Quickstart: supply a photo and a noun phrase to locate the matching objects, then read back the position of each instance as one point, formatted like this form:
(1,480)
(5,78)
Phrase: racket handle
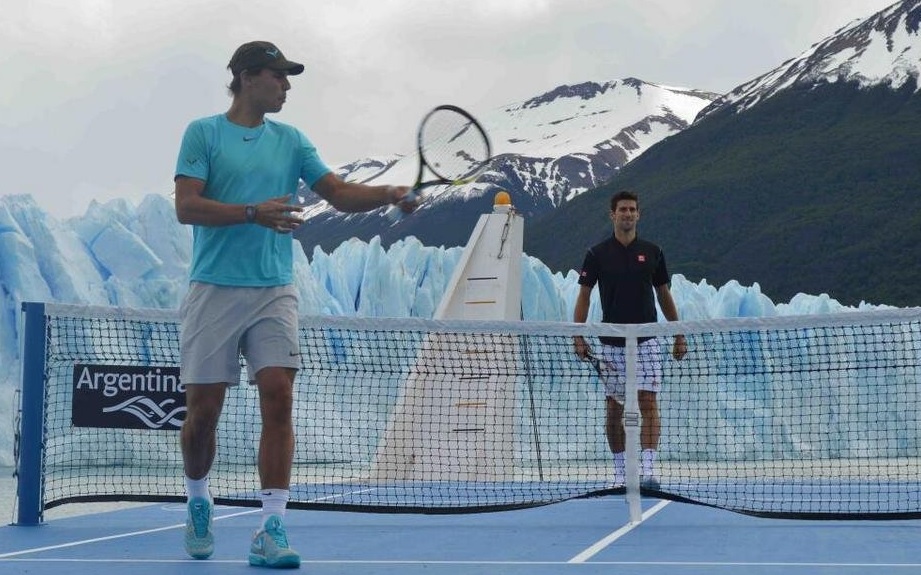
(395,214)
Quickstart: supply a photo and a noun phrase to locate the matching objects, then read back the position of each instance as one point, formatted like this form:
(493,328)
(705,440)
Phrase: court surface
(583,536)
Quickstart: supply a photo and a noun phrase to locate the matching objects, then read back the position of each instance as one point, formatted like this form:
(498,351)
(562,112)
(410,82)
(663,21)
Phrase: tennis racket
(453,146)
(603,369)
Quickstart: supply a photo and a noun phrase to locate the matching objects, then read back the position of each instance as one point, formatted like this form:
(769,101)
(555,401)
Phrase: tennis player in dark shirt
(631,275)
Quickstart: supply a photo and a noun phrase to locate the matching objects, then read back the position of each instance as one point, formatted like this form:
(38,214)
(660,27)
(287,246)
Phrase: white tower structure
(455,419)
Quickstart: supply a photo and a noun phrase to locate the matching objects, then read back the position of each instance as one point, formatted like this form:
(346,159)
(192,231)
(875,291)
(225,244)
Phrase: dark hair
(237,83)
(623,195)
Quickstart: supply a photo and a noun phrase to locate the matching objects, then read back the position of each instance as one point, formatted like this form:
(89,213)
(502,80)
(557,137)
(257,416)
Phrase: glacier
(118,254)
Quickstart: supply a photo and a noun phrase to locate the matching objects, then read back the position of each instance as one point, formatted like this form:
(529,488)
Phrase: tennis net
(805,416)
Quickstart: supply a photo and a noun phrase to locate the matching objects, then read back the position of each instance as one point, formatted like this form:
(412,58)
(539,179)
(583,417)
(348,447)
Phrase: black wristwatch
(249,212)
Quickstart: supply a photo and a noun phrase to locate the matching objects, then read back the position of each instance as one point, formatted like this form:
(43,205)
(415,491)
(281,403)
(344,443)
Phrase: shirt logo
(249,138)
(641,258)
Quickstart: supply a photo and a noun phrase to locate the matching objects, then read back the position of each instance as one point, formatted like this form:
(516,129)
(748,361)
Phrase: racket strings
(452,145)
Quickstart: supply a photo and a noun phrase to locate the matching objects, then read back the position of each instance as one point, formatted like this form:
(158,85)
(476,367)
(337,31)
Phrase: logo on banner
(128,397)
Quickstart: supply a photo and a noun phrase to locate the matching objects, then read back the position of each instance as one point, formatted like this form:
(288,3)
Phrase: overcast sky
(96,93)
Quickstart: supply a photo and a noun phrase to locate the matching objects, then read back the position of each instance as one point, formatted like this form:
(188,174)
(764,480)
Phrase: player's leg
(198,436)
(614,389)
(649,435)
(273,354)
(198,439)
(649,377)
(617,441)
(276,445)
(209,357)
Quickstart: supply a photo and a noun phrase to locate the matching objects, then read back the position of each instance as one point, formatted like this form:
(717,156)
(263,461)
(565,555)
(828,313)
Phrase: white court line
(612,537)
(144,532)
(112,537)
(711,564)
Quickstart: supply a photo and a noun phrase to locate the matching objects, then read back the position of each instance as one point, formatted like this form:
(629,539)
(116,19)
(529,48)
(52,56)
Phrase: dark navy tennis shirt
(626,278)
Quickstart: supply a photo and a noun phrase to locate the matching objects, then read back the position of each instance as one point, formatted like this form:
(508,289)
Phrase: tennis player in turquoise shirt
(254,164)
(236,177)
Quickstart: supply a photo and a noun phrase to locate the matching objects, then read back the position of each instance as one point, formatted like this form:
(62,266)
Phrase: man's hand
(404,198)
(581,347)
(680,347)
(278,214)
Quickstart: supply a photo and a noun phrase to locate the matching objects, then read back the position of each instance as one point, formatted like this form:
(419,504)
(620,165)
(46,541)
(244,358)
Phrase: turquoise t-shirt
(241,165)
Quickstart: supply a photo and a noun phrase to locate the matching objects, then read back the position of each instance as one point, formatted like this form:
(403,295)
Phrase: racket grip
(395,214)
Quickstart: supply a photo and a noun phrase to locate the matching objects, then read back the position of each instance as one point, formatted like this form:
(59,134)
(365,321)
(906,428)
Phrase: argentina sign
(127,397)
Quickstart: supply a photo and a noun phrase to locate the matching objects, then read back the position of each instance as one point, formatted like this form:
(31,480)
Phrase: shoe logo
(293,354)
(258,544)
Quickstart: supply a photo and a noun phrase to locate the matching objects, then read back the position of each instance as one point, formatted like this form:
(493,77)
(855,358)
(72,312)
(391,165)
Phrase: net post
(632,433)
(30,433)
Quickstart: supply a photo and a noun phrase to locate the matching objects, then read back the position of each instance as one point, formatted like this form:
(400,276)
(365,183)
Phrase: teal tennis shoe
(270,547)
(199,540)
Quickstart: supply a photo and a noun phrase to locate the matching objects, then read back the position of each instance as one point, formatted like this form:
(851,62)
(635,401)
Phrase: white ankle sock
(649,462)
(619,464)
(197,488)
(274,502)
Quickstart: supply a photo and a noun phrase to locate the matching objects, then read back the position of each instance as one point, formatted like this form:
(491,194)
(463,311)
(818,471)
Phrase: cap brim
(292,68)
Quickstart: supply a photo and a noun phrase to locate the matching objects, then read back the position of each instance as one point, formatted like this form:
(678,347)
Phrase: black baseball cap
(262,54)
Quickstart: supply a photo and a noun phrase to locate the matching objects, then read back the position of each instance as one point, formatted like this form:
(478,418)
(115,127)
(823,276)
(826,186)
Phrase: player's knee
(201,418)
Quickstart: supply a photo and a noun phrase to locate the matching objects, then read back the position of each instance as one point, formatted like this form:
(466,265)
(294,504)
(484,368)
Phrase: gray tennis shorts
(219,323)
(648,368)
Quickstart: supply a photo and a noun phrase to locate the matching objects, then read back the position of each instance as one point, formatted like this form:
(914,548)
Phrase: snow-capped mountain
(882,49)
(806,177)
(547,150)
(574,138)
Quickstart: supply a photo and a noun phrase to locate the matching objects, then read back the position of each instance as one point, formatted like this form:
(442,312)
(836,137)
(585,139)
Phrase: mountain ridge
(546,150)
(852,54)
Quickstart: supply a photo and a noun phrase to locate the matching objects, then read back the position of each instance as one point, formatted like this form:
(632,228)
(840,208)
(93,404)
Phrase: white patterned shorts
(648,368)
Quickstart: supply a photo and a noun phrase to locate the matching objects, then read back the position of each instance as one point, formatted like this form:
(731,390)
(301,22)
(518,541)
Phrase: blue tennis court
(579,536)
